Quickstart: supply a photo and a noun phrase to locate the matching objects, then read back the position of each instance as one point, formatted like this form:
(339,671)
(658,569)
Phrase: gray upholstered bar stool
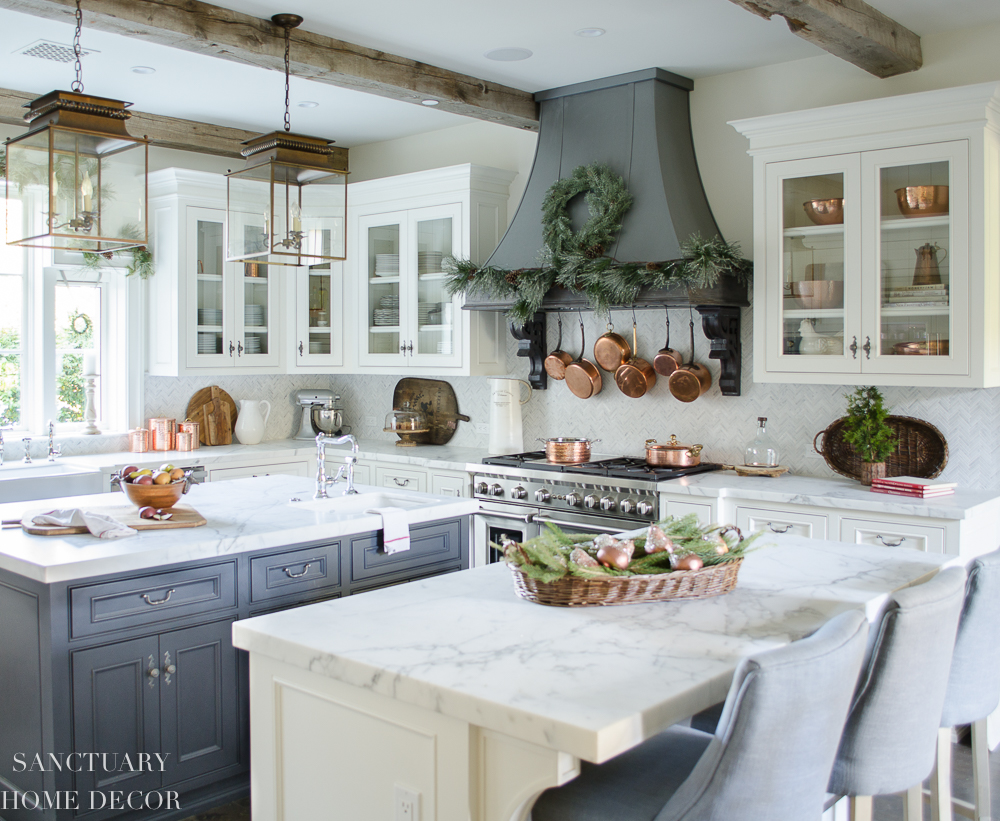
(973,690)
(889,739)
(770,756)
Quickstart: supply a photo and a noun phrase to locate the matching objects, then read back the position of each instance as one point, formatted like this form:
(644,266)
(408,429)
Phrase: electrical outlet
(407,803)
(482,427)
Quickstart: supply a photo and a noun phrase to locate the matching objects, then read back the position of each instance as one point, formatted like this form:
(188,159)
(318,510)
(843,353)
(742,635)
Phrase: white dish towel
(395,528)
(104,527)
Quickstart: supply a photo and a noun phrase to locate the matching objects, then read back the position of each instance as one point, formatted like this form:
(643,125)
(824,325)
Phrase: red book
(914,483)
(916,494)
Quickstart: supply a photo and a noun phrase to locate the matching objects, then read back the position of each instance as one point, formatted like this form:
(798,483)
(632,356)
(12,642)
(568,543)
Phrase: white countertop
(243,515)
(591,681)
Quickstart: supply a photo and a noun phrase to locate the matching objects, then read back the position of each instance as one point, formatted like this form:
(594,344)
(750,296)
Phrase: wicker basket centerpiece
(676,559)
(921,449)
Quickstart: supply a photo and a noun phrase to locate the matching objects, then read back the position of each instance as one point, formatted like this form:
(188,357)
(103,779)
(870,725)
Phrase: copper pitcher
(927,271)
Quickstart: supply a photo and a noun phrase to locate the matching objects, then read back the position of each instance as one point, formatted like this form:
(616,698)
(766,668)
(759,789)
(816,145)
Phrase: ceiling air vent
(57,52)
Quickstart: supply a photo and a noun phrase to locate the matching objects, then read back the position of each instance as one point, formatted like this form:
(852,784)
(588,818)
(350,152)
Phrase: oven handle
(528,519)
(580,525)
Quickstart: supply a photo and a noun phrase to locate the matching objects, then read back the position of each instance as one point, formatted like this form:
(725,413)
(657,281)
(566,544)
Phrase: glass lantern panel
(435,308)
(210,302)
(383,289)
(914,238)
(812,304)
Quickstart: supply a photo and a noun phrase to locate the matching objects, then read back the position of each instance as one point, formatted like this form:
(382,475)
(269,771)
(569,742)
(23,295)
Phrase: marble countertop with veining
(242,514)
(591,681)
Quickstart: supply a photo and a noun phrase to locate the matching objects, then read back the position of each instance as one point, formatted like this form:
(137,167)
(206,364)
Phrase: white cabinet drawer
(446,484)
(681,509)
(893,534)
(280,468)
(401,478)
(363,474)
(811,525)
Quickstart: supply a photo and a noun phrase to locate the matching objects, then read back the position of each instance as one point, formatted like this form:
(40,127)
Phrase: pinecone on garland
(512,277)
(594,252)
(653,266)
(108,255)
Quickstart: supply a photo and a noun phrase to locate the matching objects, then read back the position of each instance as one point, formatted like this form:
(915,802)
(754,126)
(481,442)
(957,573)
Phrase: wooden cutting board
(437,400)
(215,412)
(184,516)
(756,470)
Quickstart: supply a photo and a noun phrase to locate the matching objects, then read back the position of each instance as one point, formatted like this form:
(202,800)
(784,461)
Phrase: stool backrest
(889,740)
(974,685)
(774,745)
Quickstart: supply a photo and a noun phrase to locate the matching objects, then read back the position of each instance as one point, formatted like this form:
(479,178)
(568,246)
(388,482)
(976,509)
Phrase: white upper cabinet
(876,247)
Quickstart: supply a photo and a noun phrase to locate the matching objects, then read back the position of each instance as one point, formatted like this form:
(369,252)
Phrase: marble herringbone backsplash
(969,419)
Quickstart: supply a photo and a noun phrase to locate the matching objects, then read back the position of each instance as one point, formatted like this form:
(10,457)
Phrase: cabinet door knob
(292,575)
(854,347)
(153,672)
(155,602)
(867,347)
(300,348)
(239,349)
(170,669)
(231,348)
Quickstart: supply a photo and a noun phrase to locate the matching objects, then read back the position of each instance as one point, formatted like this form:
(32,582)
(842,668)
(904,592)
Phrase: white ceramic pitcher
(249,423)
(506,434)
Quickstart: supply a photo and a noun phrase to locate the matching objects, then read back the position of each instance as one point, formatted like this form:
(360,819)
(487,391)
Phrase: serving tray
(183,517)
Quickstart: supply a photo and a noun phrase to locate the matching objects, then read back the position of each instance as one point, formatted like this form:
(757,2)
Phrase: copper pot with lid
(567,450)
(672,454)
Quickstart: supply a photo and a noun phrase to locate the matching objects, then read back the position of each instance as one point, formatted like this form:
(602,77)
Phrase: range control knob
(518,493)
(482,487)
(573,500)
(607,503)
(591,501)
(542,495)
(496,490)
(644,508)
(627,505)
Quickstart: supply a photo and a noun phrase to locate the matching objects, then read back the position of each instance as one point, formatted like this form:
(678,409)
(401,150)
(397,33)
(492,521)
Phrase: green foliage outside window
(10,378)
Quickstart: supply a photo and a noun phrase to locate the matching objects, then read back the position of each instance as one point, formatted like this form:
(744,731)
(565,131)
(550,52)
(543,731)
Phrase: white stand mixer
(312,400)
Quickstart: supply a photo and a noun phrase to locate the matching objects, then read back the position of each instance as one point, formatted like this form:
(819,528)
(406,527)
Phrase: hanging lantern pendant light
(79,176)
(288,205)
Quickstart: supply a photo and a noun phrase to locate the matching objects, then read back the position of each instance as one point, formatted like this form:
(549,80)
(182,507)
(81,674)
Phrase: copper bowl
(567,450)
(937,347)
(922,200)
(821,293)
(158,496)
(825,212)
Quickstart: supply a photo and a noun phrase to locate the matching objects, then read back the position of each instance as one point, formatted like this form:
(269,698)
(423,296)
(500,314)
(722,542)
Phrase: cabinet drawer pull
(882,539)
(775,529)
(164,600)
(292,575)
(399,483)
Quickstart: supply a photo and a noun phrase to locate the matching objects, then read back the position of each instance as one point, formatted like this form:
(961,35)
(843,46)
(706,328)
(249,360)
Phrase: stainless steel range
(521,493)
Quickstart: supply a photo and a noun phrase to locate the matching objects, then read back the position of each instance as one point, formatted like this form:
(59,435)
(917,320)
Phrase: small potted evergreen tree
(866,430)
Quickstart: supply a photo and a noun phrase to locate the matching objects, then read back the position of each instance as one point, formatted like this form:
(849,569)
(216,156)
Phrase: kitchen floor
(886,809)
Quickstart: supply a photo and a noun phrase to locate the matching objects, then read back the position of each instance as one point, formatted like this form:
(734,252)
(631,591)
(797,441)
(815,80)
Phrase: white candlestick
(87,189)
(89,411)
(296,216)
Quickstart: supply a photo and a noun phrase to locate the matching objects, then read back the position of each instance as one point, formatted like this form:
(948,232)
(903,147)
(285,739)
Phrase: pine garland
(579,261)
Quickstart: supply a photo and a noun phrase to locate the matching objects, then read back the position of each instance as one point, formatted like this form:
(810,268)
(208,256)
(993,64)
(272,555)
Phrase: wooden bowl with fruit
(158,489)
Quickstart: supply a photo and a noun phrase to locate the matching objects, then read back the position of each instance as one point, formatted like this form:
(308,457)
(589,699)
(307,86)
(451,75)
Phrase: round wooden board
(756,470)
(202,403)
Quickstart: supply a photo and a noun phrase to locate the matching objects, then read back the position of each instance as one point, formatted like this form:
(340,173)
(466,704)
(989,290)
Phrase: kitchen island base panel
(361,746)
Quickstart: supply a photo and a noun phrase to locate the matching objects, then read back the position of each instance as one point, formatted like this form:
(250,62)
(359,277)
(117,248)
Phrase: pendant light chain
(77,84)
(288,118)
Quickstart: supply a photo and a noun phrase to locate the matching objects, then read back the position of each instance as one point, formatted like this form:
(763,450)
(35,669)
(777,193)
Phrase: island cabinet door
(199,701)
(116,711)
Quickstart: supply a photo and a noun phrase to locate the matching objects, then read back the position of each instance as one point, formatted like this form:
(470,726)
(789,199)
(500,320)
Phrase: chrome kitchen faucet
(322,482)
(54,450)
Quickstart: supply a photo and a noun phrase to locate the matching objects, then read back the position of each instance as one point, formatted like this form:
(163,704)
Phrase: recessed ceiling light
(308,104)
(589,32)
(508,55)
(429,102)
(143,70)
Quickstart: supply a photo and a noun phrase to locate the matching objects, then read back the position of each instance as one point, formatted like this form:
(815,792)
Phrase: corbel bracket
(721,325)
(531,344)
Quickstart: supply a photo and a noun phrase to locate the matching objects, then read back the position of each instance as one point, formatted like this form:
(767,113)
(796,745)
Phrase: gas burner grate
(636,468)
(515,460)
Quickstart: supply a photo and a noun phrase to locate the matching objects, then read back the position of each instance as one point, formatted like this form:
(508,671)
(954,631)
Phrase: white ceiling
(695,38)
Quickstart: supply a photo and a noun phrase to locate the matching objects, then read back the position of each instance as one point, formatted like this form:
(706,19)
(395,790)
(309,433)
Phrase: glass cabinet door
(921,272)
(381,238)
(437,317)
(254,344)
(813,265)
(211,303)
(319,330)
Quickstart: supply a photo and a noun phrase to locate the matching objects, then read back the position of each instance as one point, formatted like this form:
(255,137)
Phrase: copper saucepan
(635,377)
(667,360)
(672,454)
(690,381)
(555,363)
(582,376)
(567,450)
(611,349)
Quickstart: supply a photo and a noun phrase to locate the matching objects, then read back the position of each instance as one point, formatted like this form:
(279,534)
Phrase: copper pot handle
(694,450)
(650,442)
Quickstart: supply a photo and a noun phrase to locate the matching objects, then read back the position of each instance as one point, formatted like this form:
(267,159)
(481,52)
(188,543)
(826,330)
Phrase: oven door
(498,524)
(569,522)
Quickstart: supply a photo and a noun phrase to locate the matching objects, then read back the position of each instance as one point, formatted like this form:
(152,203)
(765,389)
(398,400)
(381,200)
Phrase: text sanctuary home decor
(579,261)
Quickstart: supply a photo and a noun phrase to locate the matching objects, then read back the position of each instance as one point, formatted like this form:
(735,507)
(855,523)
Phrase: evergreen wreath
(579,260)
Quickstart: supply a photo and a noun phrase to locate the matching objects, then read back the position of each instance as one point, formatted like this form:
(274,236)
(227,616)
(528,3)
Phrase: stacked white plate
(424,309)
(444,346)
(318,346)
(253,315)
(389,301)
(210,316)
(208,343)
(429,262)
(253,344)
(386,316)
(387,265)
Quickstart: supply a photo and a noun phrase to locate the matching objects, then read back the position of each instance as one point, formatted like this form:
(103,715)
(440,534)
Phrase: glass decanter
(761,452)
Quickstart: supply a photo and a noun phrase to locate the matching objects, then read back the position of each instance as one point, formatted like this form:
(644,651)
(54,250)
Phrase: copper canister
(194,428)
(184,440)
(163,433)
(138,440)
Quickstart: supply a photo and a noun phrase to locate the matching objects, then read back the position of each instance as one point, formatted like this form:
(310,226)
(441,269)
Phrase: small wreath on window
(80,324)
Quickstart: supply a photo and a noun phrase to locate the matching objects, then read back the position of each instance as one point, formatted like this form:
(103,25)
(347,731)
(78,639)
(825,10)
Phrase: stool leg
(981,770)
(941,778)
(913,803)
(861,808)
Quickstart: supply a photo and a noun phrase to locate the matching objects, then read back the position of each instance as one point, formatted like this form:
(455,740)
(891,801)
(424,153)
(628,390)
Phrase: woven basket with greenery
(921,449)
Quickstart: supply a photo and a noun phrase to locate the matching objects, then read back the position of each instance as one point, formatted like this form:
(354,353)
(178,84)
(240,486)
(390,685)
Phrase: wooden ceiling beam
(849,29)
(165,132)
(191,25)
